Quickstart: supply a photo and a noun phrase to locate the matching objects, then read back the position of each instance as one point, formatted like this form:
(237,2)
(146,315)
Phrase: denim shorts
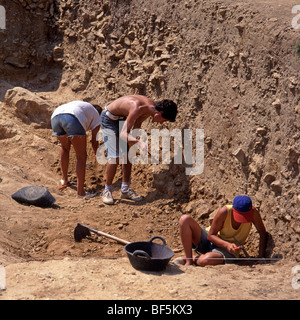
(205,246)
(67,124)
(111,135)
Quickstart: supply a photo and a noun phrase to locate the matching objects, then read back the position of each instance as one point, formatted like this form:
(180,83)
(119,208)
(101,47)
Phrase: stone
(58,53)
(293,156)
(138,83)
(29,107)
(240,155)
(16,62)
(148,67)
(261,131)
(277,103)
(298,200)
(276,186)
(269,178)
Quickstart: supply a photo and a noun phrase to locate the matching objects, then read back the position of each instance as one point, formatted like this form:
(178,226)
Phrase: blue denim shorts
(67,124)
(205,246)
(111,135)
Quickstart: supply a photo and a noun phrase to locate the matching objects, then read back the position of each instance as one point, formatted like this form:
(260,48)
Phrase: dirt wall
(233,70)
(230,66)
(27,56)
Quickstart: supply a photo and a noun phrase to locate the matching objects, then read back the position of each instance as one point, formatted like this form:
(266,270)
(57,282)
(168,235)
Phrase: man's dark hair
(98,108)
(168,108)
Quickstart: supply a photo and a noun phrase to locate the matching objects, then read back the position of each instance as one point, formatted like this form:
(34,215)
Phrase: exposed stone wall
(26,45)
(231,68)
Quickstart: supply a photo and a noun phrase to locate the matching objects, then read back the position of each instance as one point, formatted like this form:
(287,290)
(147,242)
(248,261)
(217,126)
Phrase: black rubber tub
(34,195)
(148,255)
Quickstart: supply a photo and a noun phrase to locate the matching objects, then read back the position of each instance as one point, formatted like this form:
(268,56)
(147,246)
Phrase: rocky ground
(233,69)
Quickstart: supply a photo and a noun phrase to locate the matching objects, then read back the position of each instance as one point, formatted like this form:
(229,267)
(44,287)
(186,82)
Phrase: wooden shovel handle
(101,233)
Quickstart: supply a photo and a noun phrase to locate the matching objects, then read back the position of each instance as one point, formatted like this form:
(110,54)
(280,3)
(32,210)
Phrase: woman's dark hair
(168,108)
(98,108)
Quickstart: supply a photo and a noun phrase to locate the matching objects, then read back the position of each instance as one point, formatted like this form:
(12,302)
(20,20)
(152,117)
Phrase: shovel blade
(80,232)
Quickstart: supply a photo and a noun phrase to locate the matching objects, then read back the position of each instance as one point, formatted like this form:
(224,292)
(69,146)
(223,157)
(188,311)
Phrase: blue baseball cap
(242,209)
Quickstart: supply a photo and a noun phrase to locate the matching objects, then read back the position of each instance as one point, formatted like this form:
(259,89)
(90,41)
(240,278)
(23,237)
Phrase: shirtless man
(117,120)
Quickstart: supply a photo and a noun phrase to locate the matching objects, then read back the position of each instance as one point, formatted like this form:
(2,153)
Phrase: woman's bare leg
(79,144)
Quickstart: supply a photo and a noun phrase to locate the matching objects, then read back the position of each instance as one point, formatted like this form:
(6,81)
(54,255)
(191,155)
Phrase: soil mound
(232,67)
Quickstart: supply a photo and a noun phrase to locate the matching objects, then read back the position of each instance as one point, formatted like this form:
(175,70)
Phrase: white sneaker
(131,194)
(107,197)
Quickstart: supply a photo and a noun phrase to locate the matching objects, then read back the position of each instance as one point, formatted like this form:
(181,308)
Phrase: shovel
(81,231)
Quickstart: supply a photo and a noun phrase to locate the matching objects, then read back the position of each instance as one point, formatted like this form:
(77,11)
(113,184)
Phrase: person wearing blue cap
(229,230)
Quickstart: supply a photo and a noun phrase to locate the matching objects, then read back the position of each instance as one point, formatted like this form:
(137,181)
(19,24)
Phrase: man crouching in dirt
(117,120)
(229,230)
(69,123)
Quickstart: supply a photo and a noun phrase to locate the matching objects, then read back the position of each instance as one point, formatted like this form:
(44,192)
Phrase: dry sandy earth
(115,279)
(97,268)
(42,261)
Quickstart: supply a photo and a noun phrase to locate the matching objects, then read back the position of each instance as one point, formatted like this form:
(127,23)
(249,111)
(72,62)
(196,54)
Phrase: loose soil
(233,71)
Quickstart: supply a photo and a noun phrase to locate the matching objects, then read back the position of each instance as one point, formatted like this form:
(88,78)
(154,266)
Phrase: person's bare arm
(94,142)
(216,226)
(138,122)
(133,121)
(257,221)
